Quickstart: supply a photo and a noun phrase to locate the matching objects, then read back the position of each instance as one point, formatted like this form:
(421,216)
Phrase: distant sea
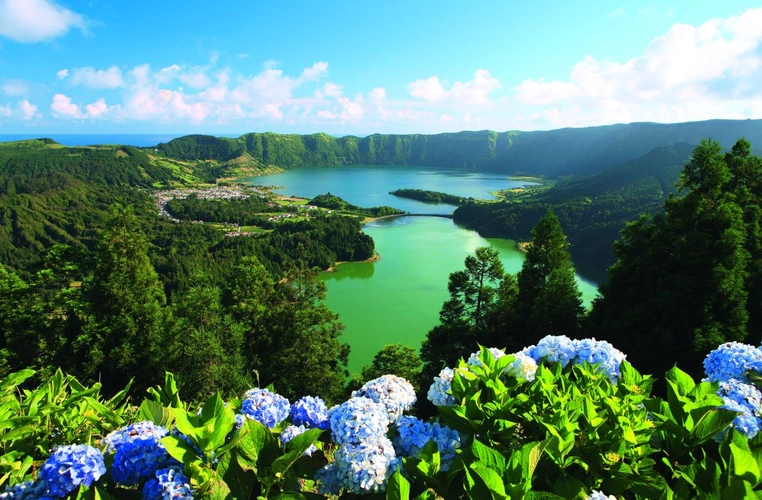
(139,140)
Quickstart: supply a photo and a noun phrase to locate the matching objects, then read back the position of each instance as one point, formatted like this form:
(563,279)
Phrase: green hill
(556,153)
(592,210)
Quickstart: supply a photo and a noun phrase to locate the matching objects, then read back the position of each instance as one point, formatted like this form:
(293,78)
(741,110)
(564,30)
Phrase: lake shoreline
(376,257)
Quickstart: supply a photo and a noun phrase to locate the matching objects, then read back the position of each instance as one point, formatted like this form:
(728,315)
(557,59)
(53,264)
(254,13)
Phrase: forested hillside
(563,152)
(592,210)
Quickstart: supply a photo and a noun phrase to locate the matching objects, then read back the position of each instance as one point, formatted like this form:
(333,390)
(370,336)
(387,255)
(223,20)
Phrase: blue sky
(231,67)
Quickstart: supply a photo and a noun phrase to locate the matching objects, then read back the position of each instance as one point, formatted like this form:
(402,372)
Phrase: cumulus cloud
(16,88)
(62,107)
(27,110)
(474,91)
(110,78)
(30,21)
(62,74)
(689,73)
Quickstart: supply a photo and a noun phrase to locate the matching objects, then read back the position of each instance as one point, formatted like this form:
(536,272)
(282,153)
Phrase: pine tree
(466,317)
(124,338)
(549,302)
(678,288)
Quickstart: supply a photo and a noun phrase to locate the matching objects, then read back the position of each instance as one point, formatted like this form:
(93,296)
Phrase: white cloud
(62,107)
(690,73)
(474,91)
(28,110)
(97,79)
(98,109)
(29,21)
(329,90)
(377,95)
(16,88)
(62,74)
(315,71)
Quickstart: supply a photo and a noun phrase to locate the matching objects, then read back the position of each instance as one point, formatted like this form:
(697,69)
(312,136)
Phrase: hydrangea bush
(560,419)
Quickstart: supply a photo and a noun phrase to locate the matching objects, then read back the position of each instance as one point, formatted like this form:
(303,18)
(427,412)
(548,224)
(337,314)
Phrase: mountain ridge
(554,153)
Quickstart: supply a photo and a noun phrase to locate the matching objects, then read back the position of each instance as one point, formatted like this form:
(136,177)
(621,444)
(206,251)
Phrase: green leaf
(744,463)
(14,379)
(484,483)
(542,495)
(398,488)
(180,450)
(683,382)
(240,482)
(185,423)
(711,423)
(156,413)
(218,490)
(569,487)
(488,457)
(218,422)
(256,436)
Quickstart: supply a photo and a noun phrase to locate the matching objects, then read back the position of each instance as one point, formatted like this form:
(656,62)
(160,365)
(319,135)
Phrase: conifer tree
(549,301)
(291,338)
(679,286)
(123,339)
(466,318)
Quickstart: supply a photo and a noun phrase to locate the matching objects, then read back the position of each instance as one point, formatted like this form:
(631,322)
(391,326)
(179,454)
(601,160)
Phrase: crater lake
(397,298)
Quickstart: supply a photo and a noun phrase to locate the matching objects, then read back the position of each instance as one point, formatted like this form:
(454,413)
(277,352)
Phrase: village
(291,210)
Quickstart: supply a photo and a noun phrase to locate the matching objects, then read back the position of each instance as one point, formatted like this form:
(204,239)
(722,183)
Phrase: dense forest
(430,196)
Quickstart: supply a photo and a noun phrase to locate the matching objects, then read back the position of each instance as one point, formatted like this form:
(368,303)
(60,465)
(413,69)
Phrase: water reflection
(352,271)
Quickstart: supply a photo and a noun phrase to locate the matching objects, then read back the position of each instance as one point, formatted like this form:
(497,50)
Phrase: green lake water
(398,298)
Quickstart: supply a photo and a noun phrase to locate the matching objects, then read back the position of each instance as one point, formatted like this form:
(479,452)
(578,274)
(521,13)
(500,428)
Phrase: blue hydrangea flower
(732,360)
(310,412)
(523,367)
(138,459)
(240,419)
(474,360)
(365,467)
(597,495)
(328,480)
(438,391)
(168,484)
(30,490)
(554,349)
(448,442)
(412,435)
(395,393)
(145,429)
(745,398)
(70,466)
(599,352)
(265,407)
(291,432)
(358,419)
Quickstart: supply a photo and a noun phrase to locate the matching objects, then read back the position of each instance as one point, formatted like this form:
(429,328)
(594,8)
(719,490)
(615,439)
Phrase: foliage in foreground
(560,419)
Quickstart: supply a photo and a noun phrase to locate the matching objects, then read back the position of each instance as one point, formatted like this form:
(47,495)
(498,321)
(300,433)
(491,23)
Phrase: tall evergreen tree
(678,288)
(124,338)
(466,317)
(205,348)
(291,337)
(549,301)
